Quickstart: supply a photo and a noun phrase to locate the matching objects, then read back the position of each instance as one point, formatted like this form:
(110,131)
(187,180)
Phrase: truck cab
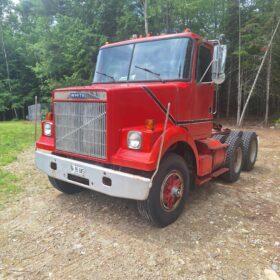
(143,130)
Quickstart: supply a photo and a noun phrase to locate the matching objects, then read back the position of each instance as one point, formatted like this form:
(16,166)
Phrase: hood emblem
(77,95)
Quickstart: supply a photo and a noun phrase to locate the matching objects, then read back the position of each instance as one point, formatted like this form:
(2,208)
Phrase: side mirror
(219,63)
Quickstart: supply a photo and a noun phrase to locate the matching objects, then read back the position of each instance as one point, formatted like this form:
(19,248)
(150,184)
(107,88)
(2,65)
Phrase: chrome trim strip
(81,95)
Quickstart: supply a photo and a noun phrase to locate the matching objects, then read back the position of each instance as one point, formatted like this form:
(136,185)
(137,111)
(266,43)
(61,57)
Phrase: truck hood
(129,105)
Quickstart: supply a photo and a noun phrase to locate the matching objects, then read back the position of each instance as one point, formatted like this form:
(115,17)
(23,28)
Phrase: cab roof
(153,38)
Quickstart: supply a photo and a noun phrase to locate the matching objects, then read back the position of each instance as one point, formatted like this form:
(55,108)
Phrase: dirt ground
(226,231)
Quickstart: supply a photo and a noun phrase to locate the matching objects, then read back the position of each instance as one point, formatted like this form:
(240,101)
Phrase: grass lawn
(15,136)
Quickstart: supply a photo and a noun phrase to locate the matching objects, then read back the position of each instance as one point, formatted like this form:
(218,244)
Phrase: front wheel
(169,191)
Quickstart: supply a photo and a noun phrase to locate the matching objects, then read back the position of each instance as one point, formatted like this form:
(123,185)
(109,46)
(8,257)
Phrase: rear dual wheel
(234,159)
(221,137)
(250,143)
(169,191)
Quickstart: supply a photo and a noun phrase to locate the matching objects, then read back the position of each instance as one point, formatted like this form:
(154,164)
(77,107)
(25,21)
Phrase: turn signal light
(150,124)
(49,116)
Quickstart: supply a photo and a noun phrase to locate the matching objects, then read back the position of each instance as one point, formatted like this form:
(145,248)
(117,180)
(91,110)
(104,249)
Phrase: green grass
(8,187)
(15,136)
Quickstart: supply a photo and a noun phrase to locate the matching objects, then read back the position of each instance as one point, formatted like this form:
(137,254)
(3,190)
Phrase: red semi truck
(144,130)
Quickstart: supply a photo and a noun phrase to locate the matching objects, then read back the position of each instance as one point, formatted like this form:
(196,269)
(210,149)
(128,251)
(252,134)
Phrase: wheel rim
(172,190)
(253,150)
(237,159)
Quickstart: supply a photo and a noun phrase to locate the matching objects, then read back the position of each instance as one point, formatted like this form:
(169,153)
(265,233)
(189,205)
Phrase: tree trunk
(5,56)
(146,17)
(217,102)
(239,70)
(167,16)
(243,88)
(16,114)
(215,17)
(229,92)
(268,88)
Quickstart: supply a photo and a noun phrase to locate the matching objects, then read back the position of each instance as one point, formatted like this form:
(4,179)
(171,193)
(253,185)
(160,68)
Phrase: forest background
(46,44)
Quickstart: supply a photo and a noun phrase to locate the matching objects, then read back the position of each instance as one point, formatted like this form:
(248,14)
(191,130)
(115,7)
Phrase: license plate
(77,170)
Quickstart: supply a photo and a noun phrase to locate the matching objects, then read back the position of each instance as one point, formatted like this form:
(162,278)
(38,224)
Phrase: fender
(173,135)
(147,161)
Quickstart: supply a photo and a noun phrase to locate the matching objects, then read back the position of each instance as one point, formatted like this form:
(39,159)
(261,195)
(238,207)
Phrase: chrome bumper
(122,184)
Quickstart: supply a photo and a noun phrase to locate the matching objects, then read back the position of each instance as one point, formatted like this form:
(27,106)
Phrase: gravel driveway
(226,231)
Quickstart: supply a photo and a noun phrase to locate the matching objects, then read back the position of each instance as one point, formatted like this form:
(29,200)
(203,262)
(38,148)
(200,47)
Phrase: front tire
(65,187)
(169,191)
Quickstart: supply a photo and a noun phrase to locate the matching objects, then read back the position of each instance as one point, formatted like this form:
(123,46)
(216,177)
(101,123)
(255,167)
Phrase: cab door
(203,90)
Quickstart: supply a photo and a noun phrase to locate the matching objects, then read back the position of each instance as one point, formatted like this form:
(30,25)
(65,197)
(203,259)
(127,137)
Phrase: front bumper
(122,184)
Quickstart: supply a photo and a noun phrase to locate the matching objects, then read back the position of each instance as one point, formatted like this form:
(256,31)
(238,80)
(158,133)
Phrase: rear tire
(250,143)
(168,194)
(234,159)
(221,137)
(65,187)
(236,133)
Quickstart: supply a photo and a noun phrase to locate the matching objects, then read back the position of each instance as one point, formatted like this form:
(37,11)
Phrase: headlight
(48,129)
(134,140)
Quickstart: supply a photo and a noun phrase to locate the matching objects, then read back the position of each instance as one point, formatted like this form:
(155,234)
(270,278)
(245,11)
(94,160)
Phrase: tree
(146,16)
(47,44)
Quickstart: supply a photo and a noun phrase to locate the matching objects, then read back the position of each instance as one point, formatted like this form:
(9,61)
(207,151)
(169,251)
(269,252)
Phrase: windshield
(167,59)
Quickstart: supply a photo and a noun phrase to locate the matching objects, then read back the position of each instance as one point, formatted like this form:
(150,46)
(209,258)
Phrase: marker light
(49,116)
(150,124)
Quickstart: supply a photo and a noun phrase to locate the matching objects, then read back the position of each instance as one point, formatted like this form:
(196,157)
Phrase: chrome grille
(81,128)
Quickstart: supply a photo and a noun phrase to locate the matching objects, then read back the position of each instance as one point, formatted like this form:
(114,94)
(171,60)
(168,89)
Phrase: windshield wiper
(150,71)
(106,75)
